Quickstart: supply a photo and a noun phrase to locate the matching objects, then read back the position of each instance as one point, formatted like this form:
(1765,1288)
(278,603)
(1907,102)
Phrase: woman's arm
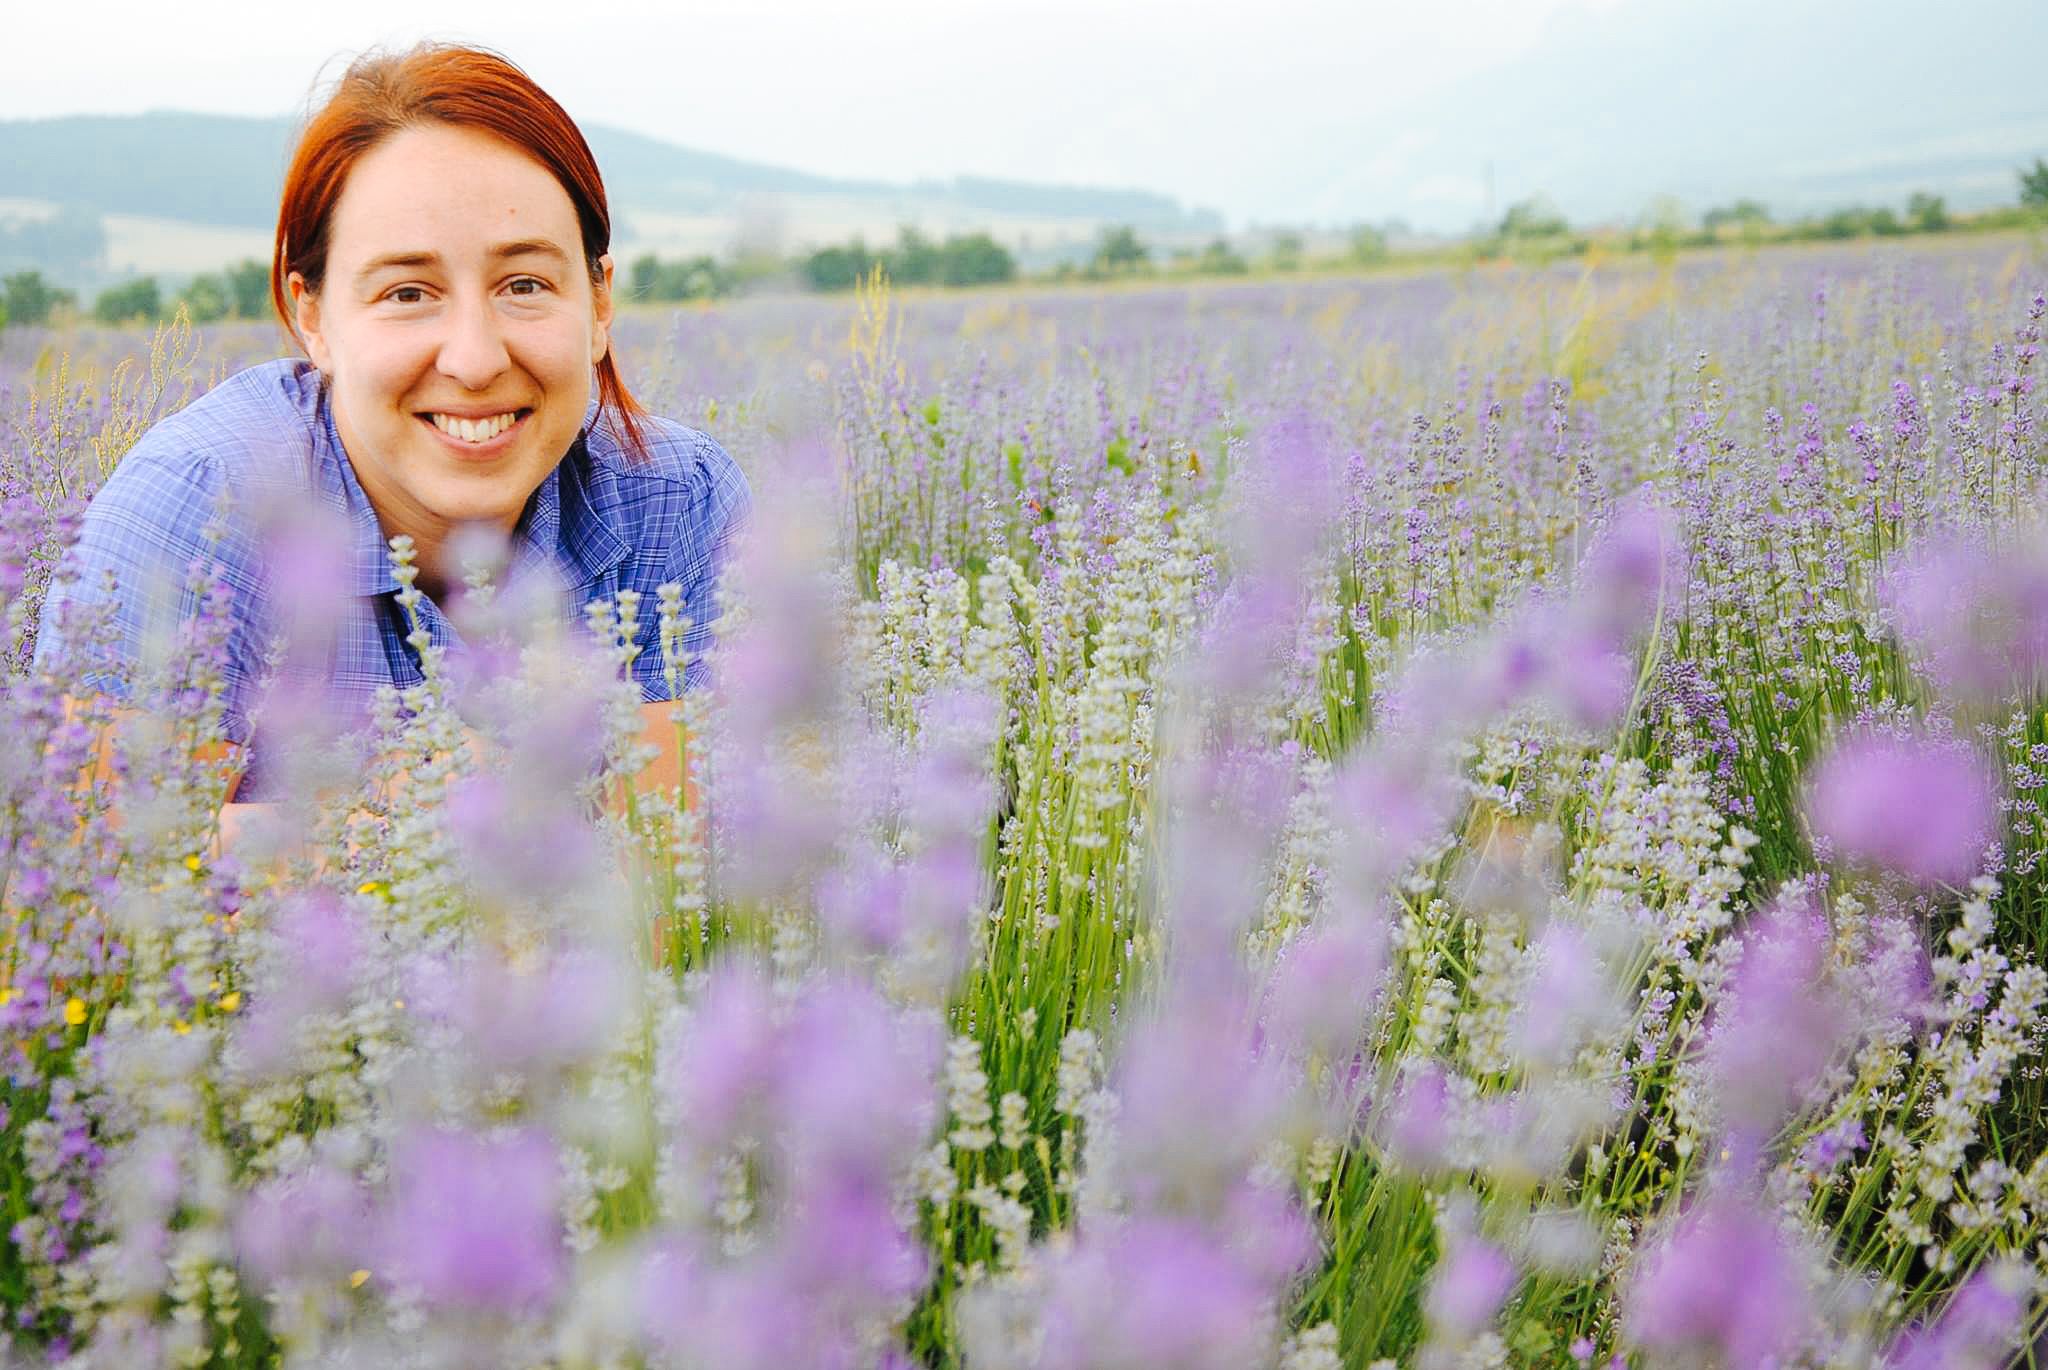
(656,780)
(659,730)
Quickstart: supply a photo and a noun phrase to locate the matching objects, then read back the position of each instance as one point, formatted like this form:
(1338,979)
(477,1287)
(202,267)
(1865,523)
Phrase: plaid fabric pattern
(600,523)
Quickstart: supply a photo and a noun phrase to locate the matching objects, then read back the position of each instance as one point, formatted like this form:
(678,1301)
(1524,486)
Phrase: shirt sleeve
(154,537)
(719,507)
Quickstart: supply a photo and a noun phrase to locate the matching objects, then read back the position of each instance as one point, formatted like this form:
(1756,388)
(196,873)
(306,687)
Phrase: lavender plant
(1439,822)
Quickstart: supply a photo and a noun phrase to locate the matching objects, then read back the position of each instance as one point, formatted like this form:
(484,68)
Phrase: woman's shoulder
(254,427)
(670,451)
(675,463)
(679,501)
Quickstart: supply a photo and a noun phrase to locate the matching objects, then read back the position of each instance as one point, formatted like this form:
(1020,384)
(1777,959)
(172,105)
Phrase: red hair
(383,93)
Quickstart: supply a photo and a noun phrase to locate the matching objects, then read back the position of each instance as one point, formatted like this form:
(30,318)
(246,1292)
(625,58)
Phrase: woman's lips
(478,451)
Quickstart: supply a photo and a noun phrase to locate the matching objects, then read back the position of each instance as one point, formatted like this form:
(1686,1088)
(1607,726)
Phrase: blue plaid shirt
(601,521)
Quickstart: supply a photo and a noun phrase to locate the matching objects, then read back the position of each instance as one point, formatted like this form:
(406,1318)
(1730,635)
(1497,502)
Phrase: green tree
(836,268)
(30,300)
(2034,185)
(1287,250)
(1120,250)
(248,283)
(206,299)
(1218,259)
(694,278)
(1853,222)
(1927,213)
(1534,217)
(642,276)
(138,299)
(915,260)
(1367,246)
(1741,214)
(975,259)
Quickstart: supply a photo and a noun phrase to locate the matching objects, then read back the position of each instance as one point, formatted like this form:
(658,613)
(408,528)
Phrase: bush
(692,278)
(248,288)
(30,301)
(138,299)
(206,299)
(1218,259)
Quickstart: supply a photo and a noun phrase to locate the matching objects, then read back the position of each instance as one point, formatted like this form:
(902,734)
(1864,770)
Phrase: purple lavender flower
(1326,988)
(732,1052)
(519,842)
(314,1226)
(315,954)
(1637,565)
(856,1089)
(1976,613)
(1778,1023)
(1416,1128)
(1830,1147)
(472,1222)
(1160,1291)
(1921,807)
(1567,998)
(1723,1282)
(1978,1330)
(845,1243)
(1467,1289)
(1197,1102)
(562,1011)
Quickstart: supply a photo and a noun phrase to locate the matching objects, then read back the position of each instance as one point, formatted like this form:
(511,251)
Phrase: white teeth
(474,430)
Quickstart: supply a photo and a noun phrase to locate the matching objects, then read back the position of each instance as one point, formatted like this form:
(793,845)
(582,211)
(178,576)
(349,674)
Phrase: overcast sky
(1307,111)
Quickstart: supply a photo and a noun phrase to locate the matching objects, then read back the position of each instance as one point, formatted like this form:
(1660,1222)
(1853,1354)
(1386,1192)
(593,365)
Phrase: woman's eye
(527,285)
(407,294)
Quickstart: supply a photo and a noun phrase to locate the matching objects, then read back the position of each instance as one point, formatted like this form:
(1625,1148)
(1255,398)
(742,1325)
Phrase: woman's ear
(601,311)
(306,320)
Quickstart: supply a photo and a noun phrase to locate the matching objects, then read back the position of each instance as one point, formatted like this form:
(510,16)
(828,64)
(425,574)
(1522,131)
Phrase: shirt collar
(564,528)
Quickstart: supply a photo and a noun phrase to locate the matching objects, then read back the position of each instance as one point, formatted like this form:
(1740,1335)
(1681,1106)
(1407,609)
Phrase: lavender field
(1440,821)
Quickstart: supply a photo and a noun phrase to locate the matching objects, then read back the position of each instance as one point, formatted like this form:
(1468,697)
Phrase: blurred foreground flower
(1976,612)
(472,1221)
(1725,1287)
(1920,807)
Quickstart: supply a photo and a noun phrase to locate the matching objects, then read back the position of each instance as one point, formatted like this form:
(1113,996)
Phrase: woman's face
(458,327)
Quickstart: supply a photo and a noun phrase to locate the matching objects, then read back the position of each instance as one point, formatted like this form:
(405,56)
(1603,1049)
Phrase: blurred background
(791,146)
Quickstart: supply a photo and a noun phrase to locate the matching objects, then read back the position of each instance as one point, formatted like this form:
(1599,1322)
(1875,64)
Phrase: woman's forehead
(445,191)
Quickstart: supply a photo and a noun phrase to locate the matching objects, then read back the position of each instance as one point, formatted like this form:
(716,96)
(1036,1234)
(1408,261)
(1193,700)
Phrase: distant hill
(222,172)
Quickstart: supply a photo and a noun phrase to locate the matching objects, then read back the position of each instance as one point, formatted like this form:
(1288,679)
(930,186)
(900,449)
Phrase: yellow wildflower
(357,1277)
(231,1001)
(74,1010)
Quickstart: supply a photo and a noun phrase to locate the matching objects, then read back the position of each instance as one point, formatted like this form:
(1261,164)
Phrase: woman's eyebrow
(531,247)
(523,247)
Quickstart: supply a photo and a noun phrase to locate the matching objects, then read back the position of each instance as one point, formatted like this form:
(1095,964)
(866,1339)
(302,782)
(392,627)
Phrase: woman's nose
(473,350)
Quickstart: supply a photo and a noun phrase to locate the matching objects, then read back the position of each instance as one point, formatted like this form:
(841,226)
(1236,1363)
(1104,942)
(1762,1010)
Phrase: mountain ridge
(225,171)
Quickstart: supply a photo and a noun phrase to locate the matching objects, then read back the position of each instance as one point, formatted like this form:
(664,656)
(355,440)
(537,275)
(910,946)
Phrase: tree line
(240,292)
(1529,227)
(962,259)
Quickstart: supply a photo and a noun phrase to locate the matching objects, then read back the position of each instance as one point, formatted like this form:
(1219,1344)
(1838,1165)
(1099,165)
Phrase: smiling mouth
(474,432)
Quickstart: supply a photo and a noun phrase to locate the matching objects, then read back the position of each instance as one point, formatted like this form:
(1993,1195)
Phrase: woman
(442,259)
